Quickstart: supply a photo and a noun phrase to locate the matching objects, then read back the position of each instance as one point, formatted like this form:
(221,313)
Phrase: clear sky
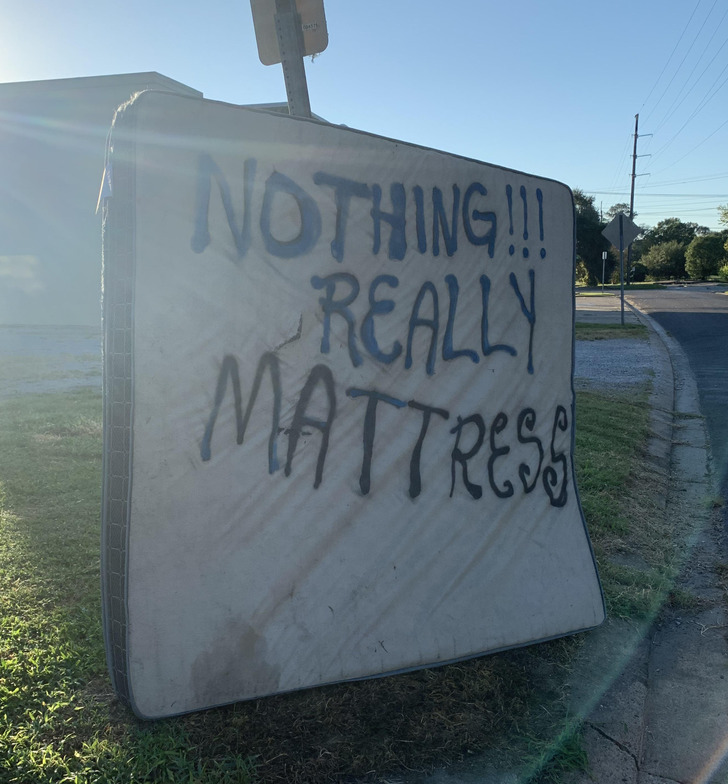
(547,87)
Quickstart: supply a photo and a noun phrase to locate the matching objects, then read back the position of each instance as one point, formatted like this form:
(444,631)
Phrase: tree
(669,230)
(666,260)
(723,214)
(705,255)
(615,209)
(723,218)
(589,240)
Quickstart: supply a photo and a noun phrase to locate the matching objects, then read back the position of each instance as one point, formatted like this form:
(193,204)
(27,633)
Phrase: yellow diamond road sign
(313,25)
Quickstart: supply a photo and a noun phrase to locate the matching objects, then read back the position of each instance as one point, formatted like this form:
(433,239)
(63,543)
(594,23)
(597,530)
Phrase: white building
(52,143)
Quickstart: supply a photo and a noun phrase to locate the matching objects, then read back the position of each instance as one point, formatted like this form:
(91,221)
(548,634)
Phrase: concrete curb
(663,719)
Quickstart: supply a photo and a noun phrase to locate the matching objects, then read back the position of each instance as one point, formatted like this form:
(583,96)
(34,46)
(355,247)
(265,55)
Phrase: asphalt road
(697,317)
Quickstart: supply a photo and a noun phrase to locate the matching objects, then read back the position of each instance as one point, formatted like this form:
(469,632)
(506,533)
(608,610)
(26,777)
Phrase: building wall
(52,144)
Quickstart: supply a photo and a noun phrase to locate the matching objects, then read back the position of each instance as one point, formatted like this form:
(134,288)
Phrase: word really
(338,304)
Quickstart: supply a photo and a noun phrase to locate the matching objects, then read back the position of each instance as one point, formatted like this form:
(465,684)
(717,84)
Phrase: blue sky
(550,88)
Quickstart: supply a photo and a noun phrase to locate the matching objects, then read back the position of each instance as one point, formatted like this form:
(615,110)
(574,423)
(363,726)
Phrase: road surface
(697,317)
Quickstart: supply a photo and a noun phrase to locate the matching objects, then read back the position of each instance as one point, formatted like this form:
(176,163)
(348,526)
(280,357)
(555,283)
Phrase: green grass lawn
(591,331)
(60,722)
(614,288)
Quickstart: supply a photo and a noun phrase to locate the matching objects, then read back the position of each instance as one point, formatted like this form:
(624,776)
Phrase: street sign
(313,26)
(630,230)
(621,231)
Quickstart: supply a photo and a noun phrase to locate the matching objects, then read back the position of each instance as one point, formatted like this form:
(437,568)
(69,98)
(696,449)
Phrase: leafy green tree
(589,240)
(638,274)
(669,230)
(666,260)
(674,229)
(723,218)
(615,209)
(705,255)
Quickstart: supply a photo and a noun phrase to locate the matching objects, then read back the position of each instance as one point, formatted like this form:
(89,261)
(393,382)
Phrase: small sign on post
(621,231)
(286,31)
(313,28)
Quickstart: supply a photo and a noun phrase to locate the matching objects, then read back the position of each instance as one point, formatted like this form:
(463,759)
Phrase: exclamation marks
(509,196)
(524,199)
(539,198)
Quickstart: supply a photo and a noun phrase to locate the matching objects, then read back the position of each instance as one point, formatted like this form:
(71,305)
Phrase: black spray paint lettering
(229,370)
(341,289)
(320,374)
(458,457)
(499,449)
(445,213)
(415,486)
(471,430)
(551,479)
(499,425)
(527,421)
(370,420)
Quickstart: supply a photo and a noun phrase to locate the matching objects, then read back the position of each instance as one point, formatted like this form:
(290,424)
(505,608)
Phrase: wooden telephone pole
(634,166)
(631,191)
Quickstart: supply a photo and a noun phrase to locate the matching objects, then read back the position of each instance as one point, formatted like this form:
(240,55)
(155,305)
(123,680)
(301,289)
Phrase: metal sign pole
(618,231)
(290,44)
(621,263)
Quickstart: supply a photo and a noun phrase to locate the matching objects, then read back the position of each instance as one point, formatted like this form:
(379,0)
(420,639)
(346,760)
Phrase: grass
(60,722)
(607,428)
(587,331)
(614,288)
(634,545)
(566,755)
(584,292)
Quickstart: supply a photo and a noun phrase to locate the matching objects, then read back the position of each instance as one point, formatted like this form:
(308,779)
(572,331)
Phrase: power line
(670,113)
(623,156)
(685,56)
(664,68)
(700,144)
(689,86)
(665,195)
(685,180)
(703,103)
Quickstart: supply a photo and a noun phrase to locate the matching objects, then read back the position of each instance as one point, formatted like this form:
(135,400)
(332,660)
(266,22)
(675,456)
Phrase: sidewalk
(665,719)
(594,307)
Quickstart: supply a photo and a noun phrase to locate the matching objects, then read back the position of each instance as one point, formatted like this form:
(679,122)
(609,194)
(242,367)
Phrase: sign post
(287,31)
(621,232)
(290,46)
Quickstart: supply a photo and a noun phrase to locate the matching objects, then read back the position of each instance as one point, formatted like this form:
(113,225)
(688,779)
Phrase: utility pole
(631,193)
(634,167)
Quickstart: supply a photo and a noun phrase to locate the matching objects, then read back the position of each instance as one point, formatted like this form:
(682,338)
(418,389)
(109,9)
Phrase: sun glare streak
(59,133)
(711,766)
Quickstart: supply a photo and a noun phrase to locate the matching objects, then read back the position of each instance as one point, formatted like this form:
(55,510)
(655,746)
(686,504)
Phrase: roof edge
(137,80)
